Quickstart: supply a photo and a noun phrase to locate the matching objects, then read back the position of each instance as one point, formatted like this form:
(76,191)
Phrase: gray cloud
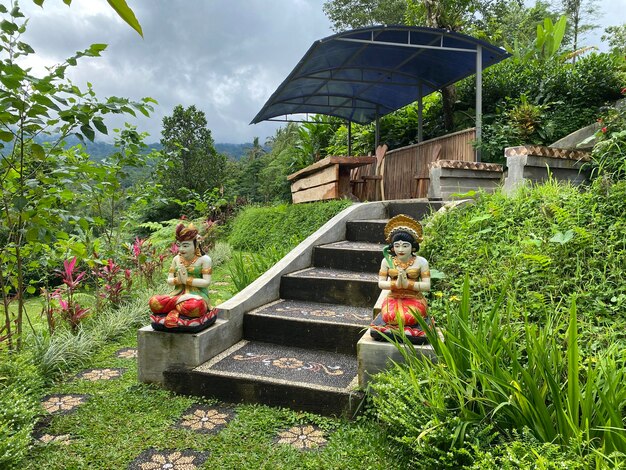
(226,57)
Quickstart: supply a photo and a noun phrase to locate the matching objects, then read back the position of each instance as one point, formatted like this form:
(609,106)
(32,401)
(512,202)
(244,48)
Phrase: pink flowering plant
(114,282)
(145,259)
(60,302)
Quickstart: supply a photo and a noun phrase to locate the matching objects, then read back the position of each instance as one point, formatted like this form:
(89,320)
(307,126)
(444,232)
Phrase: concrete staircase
(299,351)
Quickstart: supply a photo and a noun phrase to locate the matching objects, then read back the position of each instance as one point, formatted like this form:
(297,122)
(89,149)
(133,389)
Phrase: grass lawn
(119,420)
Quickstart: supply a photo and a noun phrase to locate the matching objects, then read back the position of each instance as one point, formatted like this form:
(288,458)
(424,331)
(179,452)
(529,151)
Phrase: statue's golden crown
(403,223)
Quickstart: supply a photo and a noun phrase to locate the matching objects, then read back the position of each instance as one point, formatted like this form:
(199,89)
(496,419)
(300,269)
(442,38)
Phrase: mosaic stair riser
(253,390)
(364,260)
(339,287)
(331,337)
(314,325)
(371,231)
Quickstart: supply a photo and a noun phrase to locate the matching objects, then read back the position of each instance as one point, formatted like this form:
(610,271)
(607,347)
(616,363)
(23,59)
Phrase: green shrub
(220,253)
(20,385)
(608,158)
(283,226)
(572,94)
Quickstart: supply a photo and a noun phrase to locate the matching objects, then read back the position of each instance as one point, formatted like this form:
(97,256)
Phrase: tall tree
(580,16)
(616,37)
(191,162)
(350,14)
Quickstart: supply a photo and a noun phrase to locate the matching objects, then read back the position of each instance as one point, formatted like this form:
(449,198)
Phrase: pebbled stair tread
(356,246)
(339,274)
(315,312)
(289,365)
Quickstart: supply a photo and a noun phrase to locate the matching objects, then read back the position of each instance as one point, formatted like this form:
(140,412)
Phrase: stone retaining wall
(536,164)
(451,177)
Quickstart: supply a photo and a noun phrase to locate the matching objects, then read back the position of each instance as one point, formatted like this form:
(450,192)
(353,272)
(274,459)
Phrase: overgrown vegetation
(284,225)
(531,373)
(532,359)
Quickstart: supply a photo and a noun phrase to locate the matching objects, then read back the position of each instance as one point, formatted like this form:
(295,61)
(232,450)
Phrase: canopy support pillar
(479,98)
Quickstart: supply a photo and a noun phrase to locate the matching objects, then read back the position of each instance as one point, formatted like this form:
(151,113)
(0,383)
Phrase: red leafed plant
(61,303)
(114,288)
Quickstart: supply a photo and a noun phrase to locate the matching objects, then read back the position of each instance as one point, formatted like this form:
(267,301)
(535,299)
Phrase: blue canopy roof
(362,74)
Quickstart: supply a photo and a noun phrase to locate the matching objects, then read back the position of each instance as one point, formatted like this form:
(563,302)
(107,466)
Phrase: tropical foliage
(531,307)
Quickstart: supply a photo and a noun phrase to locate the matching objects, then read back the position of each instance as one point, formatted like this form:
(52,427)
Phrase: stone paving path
(200,418)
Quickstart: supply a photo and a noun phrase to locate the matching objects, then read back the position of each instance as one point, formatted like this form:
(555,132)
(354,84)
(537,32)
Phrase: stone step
(371,231)
(349,255)
(313,325)
(331,286)
(416,209)
(254,372)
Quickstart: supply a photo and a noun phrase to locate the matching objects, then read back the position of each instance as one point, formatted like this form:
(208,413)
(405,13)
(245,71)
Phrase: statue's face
(186,249)
(402,249)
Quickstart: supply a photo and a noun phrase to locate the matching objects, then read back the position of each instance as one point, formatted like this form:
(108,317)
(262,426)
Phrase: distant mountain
(233,151)
(98,150)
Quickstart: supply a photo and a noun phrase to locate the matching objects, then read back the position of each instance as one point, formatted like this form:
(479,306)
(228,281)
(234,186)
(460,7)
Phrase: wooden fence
(404,171)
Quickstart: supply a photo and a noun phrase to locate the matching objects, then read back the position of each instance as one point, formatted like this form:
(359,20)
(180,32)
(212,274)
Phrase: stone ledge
(460,165)
(548,152)
(377,356)
(525,168)
(449,179)
(158,351)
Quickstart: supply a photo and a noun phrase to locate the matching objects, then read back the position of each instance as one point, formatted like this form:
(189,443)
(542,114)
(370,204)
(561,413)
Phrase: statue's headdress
(186,234)
(403,223)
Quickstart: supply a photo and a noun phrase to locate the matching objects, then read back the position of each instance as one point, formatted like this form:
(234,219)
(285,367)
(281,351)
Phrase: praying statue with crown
(187,309)
(406,275)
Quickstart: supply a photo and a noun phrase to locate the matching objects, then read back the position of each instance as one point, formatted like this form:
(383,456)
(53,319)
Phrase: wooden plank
(350,162)
(318,193)
(323,176)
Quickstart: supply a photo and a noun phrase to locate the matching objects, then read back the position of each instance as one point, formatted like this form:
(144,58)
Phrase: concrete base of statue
(377,356)
(159,350)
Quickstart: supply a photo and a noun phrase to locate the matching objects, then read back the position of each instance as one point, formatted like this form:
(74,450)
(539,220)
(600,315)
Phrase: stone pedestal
(536,164)
(449,177)
(158,350)
(376,356)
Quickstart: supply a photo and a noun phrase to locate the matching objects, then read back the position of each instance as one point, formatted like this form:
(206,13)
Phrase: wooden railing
(404,171)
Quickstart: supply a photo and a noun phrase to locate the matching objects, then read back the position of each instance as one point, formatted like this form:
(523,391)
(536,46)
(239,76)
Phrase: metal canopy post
(420,112)
(349,138)
(479,98)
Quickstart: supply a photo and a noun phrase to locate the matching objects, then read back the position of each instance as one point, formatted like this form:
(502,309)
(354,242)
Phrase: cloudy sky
(225,56)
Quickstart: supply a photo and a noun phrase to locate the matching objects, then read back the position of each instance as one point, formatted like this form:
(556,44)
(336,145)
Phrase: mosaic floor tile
(306,437)
(61,403)
(93,375)
(205,419)
(63,439)
(126,353)
(168,459)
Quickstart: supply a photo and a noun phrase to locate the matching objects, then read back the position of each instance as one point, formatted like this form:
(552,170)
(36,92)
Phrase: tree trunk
(448,98)
(448,94)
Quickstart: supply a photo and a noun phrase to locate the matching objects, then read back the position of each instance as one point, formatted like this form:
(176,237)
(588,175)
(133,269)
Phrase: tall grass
(496,369)
(244,268)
